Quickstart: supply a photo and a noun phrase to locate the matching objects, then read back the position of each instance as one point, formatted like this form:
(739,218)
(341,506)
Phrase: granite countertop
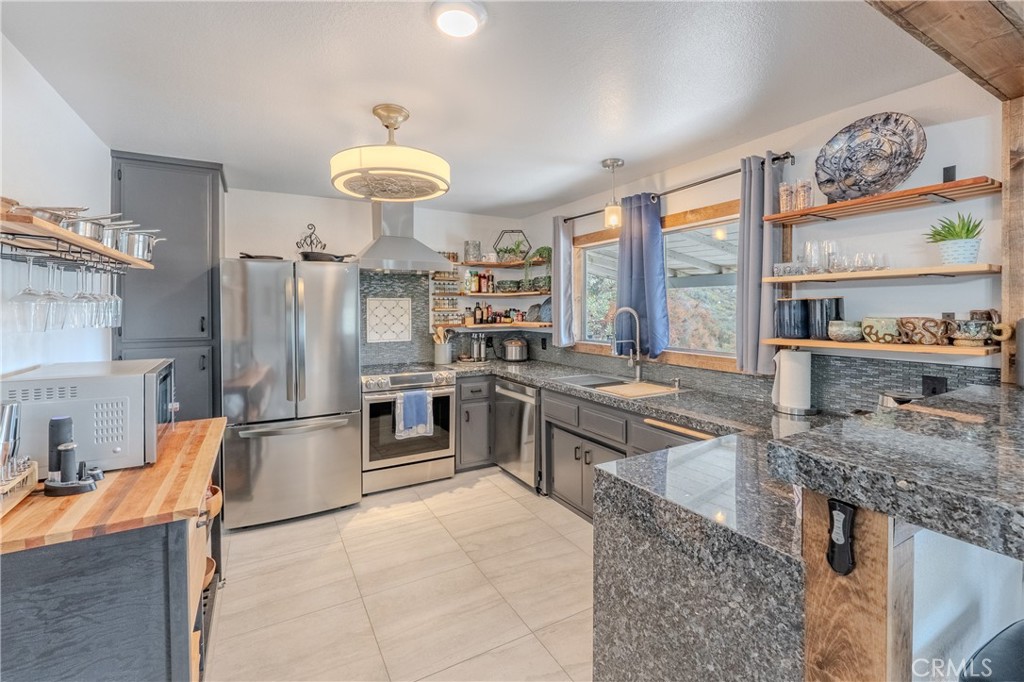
(953,464)
(724,480)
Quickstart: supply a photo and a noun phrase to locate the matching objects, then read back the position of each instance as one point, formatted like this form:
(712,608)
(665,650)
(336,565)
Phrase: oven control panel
(393,382)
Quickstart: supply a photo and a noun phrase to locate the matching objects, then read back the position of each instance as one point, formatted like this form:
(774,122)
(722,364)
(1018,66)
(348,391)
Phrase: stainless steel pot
(515,350)
(112,233)
(138,244)
(90,227)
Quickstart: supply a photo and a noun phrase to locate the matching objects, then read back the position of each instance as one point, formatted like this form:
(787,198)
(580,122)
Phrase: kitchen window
(701,251)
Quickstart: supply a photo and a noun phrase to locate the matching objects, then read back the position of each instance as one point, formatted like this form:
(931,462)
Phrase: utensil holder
(442,353)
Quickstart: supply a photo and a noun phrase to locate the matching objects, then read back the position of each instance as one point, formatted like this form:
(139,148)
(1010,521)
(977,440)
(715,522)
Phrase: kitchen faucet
(634,353)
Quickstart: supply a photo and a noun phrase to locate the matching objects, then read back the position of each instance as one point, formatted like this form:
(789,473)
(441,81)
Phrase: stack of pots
(806,318)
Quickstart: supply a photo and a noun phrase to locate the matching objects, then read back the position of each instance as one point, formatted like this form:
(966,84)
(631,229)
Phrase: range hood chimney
(393,246)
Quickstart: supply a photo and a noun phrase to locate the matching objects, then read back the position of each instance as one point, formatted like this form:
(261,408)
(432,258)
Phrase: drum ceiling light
(458,19)
(390,172)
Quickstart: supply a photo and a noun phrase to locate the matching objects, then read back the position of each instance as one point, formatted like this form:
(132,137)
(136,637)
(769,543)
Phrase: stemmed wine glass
(30,306)
(57,302)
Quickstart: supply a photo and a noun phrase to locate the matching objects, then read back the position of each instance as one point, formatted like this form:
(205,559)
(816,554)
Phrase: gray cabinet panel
(594,454)
(173,301)
(645,438)
(193,376)
(563,410)
(475,390)
(566,466)
(474,433)
(603,423)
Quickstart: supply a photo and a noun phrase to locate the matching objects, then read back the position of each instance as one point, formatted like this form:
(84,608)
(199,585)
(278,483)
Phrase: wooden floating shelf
(507,265)
(445,310)
(892,273)
(514,294)
(534,326)
(928,195)
(31,226)
(885,347)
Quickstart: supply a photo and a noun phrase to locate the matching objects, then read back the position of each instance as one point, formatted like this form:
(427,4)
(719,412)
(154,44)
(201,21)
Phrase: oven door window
(383,444)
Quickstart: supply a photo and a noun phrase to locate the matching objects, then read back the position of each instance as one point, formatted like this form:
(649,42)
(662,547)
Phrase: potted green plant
(543,283)
(507,254)
(959,240)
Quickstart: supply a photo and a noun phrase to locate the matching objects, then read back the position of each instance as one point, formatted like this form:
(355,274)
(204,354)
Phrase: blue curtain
(642,276)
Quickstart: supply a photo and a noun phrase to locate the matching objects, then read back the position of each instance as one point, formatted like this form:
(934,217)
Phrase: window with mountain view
(700,270)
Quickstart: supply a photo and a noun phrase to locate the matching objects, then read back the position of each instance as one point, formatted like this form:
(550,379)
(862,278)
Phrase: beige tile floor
(471,578)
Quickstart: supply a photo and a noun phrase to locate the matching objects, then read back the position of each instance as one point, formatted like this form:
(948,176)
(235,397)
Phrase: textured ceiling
(524,111)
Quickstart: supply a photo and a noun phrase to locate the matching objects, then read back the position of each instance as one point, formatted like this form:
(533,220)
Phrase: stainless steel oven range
(389,462)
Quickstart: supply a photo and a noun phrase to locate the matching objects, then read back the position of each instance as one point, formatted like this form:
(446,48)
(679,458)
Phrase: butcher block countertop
(172,489)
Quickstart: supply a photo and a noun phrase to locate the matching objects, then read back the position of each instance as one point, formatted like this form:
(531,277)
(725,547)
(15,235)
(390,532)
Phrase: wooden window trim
(693,217)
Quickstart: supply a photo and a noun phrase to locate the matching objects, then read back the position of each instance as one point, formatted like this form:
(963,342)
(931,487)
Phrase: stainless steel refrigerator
(290,388)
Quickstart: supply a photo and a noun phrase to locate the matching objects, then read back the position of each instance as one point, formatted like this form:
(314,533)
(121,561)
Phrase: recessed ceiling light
(458,19)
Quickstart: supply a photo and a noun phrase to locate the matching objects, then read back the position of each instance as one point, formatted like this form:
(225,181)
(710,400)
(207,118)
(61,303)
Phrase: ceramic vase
(959,251)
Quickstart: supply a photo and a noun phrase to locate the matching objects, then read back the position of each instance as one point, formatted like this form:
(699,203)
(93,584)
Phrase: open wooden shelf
(508,265)
(885,347)
(31,226)
(530,326)
(942,193)
(892,273)
(514,294)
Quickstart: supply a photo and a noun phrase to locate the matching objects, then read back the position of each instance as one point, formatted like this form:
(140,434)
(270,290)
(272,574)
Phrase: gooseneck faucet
(634,352)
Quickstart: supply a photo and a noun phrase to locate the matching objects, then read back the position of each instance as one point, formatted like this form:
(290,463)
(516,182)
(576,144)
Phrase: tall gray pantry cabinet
(171,311)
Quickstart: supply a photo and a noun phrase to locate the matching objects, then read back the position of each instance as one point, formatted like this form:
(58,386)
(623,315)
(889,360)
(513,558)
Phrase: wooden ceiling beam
(983,39)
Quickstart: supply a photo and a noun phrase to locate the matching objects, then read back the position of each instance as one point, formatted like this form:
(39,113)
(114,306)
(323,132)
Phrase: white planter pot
(959,251)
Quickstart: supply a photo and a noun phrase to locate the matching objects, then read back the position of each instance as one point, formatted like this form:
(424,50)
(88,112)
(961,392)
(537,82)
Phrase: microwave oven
(115,408)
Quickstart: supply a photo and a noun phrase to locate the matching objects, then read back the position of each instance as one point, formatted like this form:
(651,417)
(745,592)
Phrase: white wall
(270,223)
(962,124)
(49,157)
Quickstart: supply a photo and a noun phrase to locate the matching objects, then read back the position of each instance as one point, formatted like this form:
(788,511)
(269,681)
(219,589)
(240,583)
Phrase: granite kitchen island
(722,544)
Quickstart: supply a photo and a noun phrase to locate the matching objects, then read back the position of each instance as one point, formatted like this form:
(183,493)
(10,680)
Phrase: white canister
(442,353)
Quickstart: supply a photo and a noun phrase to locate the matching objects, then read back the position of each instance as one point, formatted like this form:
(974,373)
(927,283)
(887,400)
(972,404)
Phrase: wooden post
(859,626)
(1013,224)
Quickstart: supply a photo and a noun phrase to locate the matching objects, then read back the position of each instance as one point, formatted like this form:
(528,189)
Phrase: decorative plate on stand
(870,156)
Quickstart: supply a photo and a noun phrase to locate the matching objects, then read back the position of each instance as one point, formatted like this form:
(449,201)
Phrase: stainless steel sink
(592,380)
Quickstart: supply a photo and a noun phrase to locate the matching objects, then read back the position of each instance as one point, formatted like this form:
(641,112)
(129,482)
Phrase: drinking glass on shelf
(786,202)
(30,306)
(881,261)
(803,196)
(813,259)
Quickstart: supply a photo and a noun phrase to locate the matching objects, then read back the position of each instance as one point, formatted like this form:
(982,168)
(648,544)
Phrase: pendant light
(390,172)
(613,209)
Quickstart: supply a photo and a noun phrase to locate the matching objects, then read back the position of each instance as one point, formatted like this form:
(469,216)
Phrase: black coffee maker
(66,475)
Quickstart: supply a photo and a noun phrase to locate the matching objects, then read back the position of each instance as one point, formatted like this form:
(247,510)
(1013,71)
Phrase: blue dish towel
(413,414)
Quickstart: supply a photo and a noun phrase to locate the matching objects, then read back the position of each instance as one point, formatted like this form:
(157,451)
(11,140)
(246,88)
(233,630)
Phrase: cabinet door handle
(586,457)
(576,453)
(202,323)
(467,415)
(476,390)
(202,362)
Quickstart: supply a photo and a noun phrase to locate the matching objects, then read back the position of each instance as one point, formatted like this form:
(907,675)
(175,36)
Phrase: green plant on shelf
(964,227)
(541,253)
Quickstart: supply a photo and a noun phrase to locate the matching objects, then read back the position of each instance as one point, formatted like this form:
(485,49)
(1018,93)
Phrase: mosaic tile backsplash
(415,289)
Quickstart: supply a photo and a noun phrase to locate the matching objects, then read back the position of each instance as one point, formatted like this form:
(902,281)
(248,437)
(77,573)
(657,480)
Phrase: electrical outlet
(933,385)
(544,344)
(490,342)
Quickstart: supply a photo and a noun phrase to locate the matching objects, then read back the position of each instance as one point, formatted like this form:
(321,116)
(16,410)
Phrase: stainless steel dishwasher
(515,432)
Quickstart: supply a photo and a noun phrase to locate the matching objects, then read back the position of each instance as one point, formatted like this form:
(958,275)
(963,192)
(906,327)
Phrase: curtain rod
(786,156)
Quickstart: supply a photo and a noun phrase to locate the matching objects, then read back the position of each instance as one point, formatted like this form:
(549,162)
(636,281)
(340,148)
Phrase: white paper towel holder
(785,409)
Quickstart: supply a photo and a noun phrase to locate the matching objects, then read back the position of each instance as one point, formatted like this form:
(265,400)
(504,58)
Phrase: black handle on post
(840,536)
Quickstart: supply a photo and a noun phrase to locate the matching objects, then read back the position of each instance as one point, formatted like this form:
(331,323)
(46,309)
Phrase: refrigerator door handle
(293,430)
(289,363)
(301,337)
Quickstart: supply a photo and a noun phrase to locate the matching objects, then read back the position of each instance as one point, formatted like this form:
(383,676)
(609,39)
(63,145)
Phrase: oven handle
(391,395)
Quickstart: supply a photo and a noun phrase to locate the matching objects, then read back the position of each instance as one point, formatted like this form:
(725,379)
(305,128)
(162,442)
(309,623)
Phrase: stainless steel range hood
(393,246)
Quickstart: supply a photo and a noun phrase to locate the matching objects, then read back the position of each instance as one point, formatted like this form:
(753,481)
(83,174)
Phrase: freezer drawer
(282,470)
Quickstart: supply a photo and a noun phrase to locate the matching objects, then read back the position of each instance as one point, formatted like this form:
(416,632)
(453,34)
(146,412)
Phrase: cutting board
(641,390)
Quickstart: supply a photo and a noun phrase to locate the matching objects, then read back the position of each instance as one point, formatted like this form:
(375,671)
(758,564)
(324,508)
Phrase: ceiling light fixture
(613,209)
(390,172)
(458,19)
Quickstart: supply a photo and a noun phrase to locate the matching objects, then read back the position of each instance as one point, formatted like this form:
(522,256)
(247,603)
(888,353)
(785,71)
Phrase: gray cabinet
(572,468)
(474,446)
(193,376)
(170,311)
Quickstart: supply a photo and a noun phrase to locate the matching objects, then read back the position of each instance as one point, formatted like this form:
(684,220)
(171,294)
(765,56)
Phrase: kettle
(515,350)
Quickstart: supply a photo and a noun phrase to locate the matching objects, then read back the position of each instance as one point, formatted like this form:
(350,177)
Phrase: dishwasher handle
(501,390)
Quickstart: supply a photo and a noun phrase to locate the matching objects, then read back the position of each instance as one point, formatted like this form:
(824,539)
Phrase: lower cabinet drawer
(603,424)
(560,410)
(649,439)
